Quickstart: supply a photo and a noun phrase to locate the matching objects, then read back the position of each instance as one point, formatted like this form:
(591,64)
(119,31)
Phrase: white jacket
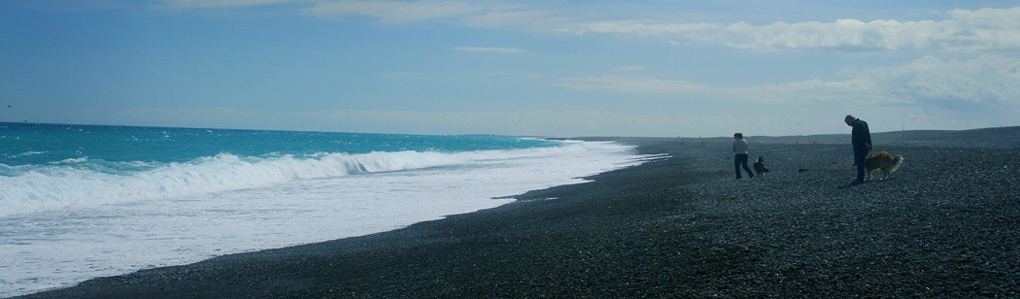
(740,146)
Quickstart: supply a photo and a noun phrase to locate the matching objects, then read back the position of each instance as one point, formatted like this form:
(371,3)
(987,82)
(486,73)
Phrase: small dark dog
(759,167)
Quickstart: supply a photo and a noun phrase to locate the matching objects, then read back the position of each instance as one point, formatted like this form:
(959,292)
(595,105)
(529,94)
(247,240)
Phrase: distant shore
(945,225)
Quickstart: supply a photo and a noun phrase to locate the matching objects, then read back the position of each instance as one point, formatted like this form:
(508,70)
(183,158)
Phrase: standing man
(861,140)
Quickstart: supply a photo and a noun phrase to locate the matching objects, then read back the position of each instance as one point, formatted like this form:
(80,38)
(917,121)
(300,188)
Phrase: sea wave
(29,153)
(89,182)
(71,161)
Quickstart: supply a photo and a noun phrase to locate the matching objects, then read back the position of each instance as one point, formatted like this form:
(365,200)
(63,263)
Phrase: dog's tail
(897,160)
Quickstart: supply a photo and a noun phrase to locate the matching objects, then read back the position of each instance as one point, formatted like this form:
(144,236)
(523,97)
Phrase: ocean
(84,201)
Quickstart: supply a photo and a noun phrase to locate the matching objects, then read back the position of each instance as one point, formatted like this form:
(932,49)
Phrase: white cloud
(986,82)
(489,49)
(467,13)
(964,30)
(395,11)
(497,16)
(988,79)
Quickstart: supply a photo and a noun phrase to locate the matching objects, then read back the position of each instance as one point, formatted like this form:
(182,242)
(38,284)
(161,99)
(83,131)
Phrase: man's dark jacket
(861,134)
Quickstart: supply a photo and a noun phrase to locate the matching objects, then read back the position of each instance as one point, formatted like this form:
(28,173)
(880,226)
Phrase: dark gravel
(945,225)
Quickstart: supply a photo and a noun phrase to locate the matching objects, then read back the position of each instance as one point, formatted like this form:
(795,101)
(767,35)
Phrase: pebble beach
(944,225)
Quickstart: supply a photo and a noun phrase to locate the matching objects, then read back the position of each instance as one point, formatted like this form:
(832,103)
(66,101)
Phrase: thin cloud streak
(489,49)
(633,68)
(188,4)
(633,84)
(395,11)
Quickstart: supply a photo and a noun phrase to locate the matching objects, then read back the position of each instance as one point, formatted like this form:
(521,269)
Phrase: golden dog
(884,161)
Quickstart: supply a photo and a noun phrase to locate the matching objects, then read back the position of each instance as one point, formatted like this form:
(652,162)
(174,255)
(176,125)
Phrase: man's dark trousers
(859,158)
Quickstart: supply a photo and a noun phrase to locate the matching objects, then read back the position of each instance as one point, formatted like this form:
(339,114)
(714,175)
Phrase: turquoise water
(46,166)
(121,146)
(78,202)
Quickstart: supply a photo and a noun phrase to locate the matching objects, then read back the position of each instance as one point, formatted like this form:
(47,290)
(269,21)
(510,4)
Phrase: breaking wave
(88,182)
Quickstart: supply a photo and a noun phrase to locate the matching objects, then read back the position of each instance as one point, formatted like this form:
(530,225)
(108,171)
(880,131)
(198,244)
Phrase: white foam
(252,204)
(70,183)
(29,153)
(72,161)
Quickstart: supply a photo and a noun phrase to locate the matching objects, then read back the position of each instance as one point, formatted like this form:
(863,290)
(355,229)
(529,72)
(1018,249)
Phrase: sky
(554,68)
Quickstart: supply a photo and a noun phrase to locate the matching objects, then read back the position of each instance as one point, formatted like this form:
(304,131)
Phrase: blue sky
(547,68)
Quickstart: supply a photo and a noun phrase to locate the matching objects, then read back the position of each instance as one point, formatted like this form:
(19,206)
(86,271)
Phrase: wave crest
(71,183)
(89,182)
